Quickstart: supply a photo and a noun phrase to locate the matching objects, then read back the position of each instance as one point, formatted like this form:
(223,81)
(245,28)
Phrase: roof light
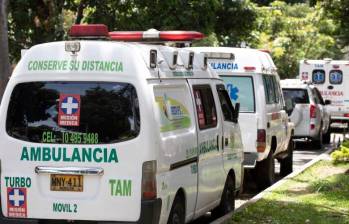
(89,30)
(72,46)
(152,34)
(220,55)
(249,68)
(335,66)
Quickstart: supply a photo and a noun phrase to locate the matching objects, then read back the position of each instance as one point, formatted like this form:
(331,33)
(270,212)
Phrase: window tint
(318,96)
(318,76)
(336,77)
(227,107)
(293,97)
(271,93)
(205,106)
(240,90)
(73,112)
(276,87)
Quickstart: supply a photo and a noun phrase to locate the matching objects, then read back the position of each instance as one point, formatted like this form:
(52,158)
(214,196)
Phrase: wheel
(317,143)
(326,138)
(177,214)
(265,172)
(227,203)
(286,164)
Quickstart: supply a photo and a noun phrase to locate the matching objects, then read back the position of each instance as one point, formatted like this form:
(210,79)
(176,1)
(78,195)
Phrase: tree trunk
(5,67)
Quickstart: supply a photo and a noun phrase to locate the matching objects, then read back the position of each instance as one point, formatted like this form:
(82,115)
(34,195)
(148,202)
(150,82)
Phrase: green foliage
(341,155)
(338,10)
(294,32)
(32,22)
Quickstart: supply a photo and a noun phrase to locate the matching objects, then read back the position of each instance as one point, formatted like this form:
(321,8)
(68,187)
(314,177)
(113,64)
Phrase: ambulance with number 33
(101,129)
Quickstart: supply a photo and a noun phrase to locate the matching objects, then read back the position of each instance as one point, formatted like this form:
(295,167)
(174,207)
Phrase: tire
(317,143)
(286,164)
(227,203)
(326,138)
(177,214)
(265,172)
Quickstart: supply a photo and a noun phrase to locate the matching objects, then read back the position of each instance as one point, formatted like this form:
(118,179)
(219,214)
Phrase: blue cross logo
(233,91)
(16,197)
(70,105)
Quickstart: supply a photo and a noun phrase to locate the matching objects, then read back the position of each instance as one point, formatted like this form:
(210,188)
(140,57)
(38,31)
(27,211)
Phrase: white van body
(330,77)
(244,75)
(133,127)
(307,110)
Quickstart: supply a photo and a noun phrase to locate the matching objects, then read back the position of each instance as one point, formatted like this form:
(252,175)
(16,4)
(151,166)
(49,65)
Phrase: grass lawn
(319,195)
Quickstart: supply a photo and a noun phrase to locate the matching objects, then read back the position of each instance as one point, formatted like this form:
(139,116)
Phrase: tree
(338,10)
(5,67)
(294,32)
(33,22)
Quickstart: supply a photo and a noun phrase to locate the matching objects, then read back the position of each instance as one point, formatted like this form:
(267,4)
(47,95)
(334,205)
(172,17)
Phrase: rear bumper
(150,213)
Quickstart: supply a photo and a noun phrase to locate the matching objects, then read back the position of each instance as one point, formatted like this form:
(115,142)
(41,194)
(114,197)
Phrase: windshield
(73,112)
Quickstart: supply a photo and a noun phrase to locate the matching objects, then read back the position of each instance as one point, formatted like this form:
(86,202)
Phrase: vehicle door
(241,90)
(231,139)
(72,147)
(211,175)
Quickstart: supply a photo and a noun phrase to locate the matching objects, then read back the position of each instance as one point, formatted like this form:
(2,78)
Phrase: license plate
(63,182)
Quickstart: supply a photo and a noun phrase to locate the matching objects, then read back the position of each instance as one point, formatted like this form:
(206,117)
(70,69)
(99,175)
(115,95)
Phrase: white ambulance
(251,79)
(330,77)
(105,130)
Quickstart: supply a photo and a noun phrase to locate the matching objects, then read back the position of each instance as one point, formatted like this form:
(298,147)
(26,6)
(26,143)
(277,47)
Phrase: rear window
(293,97)
(336,77)
(318,76)
(240,90)
(73,112)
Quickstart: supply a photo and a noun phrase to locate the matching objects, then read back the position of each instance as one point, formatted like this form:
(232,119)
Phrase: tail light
(312,126)
(312,111)
(149,180)
(346,115)
(261,139)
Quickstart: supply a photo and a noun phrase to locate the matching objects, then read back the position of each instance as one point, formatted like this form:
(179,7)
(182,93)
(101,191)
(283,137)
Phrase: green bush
(341,155)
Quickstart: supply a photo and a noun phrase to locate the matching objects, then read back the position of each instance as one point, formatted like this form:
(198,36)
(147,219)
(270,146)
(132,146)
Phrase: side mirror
(236,113)
(327,102)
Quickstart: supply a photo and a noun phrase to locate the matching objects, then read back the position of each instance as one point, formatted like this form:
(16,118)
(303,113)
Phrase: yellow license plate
(63,182)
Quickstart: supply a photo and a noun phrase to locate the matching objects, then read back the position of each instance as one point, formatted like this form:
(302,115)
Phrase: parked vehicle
(251,79)
(110,131)
(329,77)
(307,110)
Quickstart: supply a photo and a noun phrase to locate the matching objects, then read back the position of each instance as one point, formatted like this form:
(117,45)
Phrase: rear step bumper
(150,213)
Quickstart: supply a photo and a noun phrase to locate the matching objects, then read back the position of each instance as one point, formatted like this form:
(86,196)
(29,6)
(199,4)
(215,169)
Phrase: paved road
(303,154)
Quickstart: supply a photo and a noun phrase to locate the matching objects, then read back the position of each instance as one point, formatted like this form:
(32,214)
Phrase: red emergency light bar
(249,68)
(89,30)
(154,35)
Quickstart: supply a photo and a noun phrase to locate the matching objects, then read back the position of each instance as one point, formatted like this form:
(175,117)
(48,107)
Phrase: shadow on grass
(323,201)
(281,212)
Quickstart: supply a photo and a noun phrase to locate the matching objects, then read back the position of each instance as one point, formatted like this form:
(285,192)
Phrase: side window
(241,90)
(319,97)
(227,107)
(205,106)
(276,89)
(318,76)
(336,77)
(269,89)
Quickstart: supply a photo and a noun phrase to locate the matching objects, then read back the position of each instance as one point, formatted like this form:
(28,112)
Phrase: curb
(323,156)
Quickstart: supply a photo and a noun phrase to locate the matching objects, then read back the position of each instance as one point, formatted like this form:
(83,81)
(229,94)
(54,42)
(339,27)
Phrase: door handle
(69,170)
